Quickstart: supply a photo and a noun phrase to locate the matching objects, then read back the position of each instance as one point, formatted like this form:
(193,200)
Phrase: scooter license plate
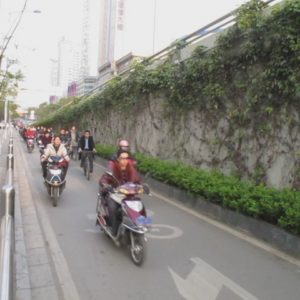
(141,220)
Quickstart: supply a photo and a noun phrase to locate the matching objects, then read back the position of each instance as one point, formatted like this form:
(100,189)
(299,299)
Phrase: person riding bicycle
(74,136)
(86,143)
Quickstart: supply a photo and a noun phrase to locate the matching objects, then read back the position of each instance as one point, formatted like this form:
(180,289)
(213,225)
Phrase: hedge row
(279,207)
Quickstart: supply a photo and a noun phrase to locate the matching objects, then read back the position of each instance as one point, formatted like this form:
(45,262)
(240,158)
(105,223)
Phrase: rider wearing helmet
(122,145)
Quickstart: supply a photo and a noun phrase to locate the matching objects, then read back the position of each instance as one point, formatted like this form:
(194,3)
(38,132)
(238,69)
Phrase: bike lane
(188,258)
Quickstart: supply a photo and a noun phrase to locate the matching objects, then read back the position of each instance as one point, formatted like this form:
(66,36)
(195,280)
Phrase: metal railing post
(10,161)
(7,208)
(7,231)
(10,148)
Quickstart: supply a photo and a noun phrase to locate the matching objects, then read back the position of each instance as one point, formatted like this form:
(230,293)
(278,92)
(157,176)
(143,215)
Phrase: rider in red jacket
(123,170)
(31,133)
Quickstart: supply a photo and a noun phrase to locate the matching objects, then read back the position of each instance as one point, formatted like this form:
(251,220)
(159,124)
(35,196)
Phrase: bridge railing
(7,232)
(190,40)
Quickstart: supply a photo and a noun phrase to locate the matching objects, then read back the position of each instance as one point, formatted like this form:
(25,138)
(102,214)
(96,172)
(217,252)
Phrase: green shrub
(279,207)
(106,151)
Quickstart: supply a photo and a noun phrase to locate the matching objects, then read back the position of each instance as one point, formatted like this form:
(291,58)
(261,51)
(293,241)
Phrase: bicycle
(74,152)
(87,158)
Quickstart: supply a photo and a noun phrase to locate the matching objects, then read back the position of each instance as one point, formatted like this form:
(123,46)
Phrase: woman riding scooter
(123,171)
(55,149)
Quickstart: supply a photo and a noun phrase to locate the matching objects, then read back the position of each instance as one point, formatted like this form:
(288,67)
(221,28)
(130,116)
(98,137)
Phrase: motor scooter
(55,179)
(134,222)
(41,147)
(30,145)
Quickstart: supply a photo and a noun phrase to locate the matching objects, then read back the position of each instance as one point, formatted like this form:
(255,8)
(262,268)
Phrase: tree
(9,84)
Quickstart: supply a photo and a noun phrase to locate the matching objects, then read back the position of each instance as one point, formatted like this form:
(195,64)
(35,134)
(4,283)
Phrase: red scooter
(132,215)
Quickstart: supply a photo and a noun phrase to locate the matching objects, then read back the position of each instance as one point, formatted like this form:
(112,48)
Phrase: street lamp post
(10,33)
(6,42)
(154,26)
(6,111)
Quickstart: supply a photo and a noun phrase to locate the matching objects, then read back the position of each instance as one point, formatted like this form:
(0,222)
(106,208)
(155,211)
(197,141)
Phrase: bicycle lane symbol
(162,231)
(156,231)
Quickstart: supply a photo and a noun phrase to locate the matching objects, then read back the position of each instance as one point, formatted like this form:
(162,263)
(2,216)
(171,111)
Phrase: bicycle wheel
(84,167)
(88,169)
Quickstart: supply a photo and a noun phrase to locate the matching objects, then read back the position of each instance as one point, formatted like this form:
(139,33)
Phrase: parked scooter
(55,180)
(132,213)
(30,145)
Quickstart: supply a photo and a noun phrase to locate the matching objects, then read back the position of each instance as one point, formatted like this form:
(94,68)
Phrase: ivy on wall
(251,78)
(255,65)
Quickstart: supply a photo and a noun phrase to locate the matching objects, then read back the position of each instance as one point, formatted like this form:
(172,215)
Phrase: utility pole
(154,26)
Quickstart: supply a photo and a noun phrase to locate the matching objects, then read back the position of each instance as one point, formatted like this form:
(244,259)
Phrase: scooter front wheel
(137,248)
(55,196)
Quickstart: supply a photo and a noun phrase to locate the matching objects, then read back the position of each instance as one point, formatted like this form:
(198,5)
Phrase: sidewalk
(36,278)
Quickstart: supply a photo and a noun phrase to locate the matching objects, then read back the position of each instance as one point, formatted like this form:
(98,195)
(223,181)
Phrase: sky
(35,41)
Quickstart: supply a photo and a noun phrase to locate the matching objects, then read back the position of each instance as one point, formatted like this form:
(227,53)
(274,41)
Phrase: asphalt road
(188,258)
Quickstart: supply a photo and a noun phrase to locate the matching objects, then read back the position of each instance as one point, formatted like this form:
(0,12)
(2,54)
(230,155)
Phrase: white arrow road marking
(92,216)
(205,283)
(175,232)
(89,230)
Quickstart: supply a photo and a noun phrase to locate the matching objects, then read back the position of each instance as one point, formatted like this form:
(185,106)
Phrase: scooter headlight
(135,205)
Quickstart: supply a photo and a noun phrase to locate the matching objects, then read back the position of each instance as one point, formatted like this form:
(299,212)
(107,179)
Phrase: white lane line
(63,273)
(250,240)
(232,231)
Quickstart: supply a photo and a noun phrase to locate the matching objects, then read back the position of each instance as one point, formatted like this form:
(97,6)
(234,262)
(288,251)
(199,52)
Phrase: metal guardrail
(221,23)
(7,232)
(209,29)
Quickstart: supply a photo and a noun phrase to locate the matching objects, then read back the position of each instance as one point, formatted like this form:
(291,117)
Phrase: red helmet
(123,144)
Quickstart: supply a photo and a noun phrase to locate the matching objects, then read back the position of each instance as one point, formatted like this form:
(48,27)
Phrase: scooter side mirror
(112,175)
(109,173)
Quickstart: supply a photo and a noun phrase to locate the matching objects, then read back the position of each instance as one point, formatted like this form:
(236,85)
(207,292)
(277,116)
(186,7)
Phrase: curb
(271,234)
(35,276)
(23,287)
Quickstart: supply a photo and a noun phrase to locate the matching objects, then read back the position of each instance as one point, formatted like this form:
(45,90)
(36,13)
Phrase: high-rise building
(54,80)
(90,36)
(68,63)
(123,25)
(53,99)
